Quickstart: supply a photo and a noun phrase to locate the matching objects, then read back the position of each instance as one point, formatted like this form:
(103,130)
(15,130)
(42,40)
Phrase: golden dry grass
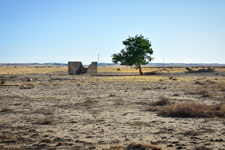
(13,70)
(144,69)
(31,69)
(64,69)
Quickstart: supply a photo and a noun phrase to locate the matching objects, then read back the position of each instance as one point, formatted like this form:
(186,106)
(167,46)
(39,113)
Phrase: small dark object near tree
(151,73)
(137,52)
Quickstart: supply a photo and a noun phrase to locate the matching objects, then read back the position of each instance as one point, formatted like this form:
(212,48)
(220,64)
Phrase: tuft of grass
(192,110)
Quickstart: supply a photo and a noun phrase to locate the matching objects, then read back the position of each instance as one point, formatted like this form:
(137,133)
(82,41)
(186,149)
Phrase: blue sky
(181,31)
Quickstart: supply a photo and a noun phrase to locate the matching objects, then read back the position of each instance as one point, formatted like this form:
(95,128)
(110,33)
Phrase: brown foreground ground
(44,108)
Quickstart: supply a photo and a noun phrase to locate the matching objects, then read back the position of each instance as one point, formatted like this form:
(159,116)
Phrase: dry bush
(205,93)
(192,110)
(155,106)
(27,86)
(146,88)
(162,102)
(135,146)
(202,148)
(2,81)
(221,87)
(47,120)
(220,110)
(44,111)
(5,110)
(199,83)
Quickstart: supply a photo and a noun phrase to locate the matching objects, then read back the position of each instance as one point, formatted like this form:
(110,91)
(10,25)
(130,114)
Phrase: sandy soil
(58,111)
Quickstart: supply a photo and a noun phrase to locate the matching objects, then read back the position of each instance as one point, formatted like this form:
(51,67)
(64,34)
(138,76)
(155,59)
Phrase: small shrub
(5,110)
(192,110)
(141,146)
(162,102)
(198,82)
(27,86)
(202,148)
(205,93)
(171,77)
(47,120)
(146,88)
(135,146)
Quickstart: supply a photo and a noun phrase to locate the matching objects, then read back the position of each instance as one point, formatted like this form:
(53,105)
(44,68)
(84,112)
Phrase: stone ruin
(76,67)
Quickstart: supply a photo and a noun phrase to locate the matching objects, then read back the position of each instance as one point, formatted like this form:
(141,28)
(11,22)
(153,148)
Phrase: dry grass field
(42,107)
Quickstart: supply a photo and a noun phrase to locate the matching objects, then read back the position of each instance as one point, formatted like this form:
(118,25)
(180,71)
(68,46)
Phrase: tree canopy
(137,52)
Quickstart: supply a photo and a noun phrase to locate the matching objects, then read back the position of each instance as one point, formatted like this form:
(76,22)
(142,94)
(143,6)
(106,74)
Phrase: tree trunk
(140,71)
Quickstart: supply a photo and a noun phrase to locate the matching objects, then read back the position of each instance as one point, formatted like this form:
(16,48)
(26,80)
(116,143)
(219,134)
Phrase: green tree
(137,52)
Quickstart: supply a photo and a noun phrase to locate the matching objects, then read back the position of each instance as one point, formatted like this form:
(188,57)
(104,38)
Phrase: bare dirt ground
(58,111)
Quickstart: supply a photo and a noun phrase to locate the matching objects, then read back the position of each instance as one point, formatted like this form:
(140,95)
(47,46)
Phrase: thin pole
(98,57)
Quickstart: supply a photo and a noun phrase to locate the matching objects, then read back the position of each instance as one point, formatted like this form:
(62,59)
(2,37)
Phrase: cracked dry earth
(83,112)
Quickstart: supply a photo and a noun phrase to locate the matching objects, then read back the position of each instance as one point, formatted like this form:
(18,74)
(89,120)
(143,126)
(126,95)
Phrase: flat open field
(45,108)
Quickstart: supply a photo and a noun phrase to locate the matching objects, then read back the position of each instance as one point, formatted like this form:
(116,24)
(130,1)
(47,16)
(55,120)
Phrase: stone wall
(92,69)
(76,67)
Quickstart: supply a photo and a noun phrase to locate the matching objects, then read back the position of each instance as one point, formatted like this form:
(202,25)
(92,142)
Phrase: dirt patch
(112,112)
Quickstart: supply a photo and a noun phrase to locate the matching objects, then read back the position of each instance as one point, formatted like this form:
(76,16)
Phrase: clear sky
(181,31)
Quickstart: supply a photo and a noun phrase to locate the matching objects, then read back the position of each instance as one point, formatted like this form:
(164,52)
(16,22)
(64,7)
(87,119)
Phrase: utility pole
(98,57)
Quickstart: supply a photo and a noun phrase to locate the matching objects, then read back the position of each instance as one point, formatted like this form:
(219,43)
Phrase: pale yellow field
(31,69)
(19,70)
(64,69)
